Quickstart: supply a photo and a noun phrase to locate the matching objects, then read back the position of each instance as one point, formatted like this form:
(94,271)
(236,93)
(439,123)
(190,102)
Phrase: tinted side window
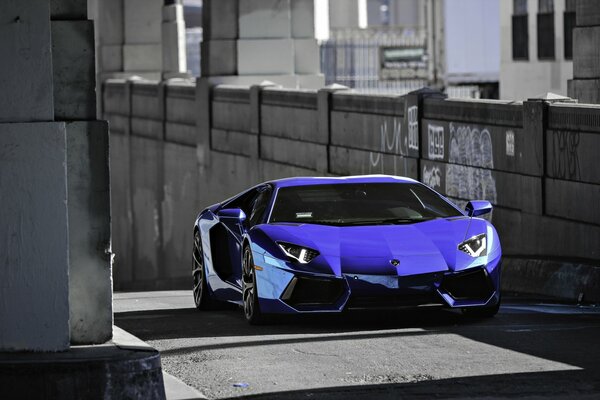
(244,202)
(260,205)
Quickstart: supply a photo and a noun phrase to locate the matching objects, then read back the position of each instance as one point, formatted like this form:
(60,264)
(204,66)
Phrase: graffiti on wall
(564,155)
(435,140)
(413,128)
(510,143)
(470,146)
(432,177)
(390,140)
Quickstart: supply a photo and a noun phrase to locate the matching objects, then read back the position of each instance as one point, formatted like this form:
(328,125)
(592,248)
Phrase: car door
(254,216)
(225,242)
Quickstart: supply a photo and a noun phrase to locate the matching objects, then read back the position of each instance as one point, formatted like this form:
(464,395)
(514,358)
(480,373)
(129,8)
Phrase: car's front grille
(302,291)
(469,285)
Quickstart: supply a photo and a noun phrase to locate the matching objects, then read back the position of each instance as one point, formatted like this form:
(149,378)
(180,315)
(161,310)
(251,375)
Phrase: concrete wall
(523,79)
(177,152)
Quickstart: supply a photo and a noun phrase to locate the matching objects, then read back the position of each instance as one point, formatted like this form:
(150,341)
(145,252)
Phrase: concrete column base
(126,368)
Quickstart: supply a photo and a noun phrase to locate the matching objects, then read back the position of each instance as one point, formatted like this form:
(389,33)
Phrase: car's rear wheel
(250,290)
(202,297)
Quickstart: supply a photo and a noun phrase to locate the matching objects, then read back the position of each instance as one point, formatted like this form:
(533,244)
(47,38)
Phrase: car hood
(424,247)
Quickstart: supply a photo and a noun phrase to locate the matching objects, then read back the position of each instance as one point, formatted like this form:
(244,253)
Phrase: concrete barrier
(535,161)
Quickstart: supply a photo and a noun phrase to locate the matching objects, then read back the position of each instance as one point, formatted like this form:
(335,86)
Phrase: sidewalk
(175,389)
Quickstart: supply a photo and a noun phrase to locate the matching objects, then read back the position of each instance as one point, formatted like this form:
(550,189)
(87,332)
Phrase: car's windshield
(360,204)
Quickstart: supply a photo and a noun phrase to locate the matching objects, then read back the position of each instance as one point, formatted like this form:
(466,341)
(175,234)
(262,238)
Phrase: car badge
(395,262)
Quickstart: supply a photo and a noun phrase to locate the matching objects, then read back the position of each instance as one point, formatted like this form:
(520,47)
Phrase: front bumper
(286,291)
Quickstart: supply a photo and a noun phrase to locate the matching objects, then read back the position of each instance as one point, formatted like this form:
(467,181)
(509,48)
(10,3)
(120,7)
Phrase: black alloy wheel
(250,290)
(201,296)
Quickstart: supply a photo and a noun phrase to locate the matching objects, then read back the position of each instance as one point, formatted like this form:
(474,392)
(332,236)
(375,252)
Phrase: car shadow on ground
(229,321)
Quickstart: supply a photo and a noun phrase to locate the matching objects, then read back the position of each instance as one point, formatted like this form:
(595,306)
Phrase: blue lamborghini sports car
(305,245)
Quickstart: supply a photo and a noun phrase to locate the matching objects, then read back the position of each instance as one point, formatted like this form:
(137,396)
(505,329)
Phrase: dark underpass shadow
(191,323)
(534,385)
(569,339)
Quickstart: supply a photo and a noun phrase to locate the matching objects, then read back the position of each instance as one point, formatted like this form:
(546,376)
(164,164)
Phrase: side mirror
(232,213)
(475,208)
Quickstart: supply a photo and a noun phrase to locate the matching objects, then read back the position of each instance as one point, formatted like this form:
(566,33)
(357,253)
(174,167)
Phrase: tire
(250,290)
(202,298)
(482,312)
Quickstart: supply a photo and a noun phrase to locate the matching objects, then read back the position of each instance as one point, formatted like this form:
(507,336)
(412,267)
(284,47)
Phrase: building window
(569,24)
(520,31)
(545,29)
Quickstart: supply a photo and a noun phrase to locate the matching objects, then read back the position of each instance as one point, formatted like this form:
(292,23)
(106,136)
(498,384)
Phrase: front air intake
(469,285)
(302,291)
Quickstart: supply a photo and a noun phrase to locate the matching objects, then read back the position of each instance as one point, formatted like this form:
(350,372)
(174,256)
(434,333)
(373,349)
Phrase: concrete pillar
(34,261)
(55,276)
(218,51)
(248,41)
(324,117)
(173,40)
(142,49)
(88,191)
(585,85)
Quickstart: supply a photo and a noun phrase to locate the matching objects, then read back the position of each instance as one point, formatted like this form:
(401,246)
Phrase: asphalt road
(529,350)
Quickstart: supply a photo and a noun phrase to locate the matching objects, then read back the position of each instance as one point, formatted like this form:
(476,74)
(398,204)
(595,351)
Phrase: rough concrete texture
(534,162)
(219,20)
(68,9)
(83,372)
(586,56)
(291,123)
(265,56)
(572,200)
(587,13)
(261,19)
(557,279)
(241,143)
(121,221)
(142,57)
(218,57)
(143,21)
(111,58)
(90,253)
(303,18)
(585,90)
(34,282)
(530,350)
(25,41)
(293,152)
(73,69)
(306,56)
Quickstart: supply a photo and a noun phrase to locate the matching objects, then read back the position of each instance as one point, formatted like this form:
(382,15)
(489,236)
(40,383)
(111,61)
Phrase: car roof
(307,180)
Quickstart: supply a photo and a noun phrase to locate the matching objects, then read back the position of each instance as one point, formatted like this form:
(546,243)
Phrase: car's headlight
(475,246)
(301,254)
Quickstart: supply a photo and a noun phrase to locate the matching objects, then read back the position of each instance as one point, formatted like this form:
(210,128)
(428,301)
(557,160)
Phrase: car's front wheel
(250,290)
(202,297)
